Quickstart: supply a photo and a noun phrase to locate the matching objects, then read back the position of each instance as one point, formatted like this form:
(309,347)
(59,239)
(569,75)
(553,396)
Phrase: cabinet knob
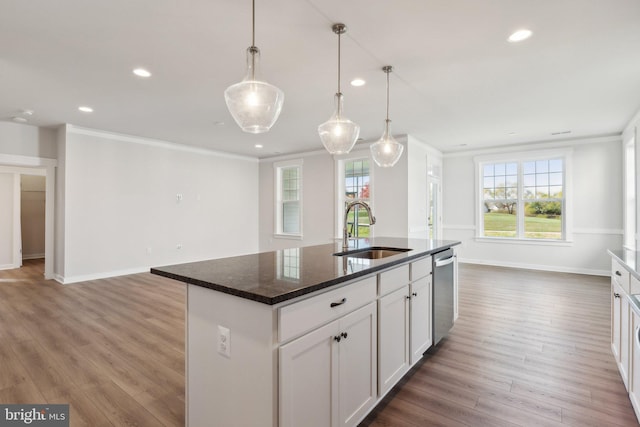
(415,294)
(616,295)
(337,338)
(618,273)
(344,335)
(408,297)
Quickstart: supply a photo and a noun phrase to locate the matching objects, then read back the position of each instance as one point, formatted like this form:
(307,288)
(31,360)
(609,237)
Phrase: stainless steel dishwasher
(442,320)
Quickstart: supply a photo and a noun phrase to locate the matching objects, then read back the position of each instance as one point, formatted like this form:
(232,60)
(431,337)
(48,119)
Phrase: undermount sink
(372,253)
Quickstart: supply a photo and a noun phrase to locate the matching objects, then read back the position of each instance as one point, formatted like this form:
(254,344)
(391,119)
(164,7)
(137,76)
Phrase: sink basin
(372,253)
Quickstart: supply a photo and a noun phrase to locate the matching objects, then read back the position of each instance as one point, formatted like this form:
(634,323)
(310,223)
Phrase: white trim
(33,256)
(610,231)
(154,143)
(538,267)
(97,276)
(288,236)
(26,161)
(516,241)
(283,157)
(8,266)
(459,227)
(540,145)
(17,221)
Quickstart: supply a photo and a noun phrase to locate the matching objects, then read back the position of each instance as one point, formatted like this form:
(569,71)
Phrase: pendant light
(338,134)
(255,105)
(386,151)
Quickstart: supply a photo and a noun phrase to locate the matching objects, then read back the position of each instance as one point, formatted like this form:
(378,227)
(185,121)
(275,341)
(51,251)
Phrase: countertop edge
(304,291)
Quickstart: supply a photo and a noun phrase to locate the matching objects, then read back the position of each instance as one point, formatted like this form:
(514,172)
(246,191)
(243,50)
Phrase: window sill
(288,236)
(515,241)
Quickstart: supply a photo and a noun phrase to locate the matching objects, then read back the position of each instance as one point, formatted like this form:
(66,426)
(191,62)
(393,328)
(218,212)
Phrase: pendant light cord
(339,34)
(388,94)
(253,47)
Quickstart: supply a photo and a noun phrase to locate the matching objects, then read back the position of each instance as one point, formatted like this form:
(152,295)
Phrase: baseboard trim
(538,267)
(8,266)
(33,256)
(105,275)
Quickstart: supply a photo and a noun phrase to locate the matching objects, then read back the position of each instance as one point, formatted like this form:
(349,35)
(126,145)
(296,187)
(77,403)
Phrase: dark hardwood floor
(529,349)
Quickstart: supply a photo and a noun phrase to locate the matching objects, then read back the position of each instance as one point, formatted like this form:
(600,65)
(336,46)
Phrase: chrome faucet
(345,233)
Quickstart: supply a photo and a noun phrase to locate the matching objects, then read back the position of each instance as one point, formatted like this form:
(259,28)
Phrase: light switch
(224,341)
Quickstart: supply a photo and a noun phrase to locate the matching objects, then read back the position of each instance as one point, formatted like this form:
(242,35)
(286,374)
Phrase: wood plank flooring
(529,349)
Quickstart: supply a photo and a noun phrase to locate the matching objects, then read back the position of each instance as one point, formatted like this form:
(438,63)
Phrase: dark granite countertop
(277,276)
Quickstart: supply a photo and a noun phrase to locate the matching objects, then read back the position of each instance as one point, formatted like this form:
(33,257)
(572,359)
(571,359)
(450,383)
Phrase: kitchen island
(301,336)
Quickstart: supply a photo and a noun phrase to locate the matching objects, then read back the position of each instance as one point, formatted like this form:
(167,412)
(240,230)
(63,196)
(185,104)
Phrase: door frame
(44,167)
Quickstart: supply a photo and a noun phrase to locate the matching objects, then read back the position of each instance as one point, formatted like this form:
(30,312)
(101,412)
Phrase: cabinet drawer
(306,315)
(391,280)
(420,268)
(620,275)
(634,286)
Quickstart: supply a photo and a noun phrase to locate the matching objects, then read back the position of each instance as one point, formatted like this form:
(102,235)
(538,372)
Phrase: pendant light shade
(386,151)
(338,134)
(255,105)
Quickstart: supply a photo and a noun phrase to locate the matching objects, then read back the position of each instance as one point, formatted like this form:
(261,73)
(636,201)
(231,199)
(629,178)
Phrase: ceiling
(457,83)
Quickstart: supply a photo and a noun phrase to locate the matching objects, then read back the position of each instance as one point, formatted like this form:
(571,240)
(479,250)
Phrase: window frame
(339,161)
(520,157)
(278,168)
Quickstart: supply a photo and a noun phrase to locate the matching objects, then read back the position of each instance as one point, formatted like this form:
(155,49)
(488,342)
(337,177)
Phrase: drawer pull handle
(616,295)
(618,273)
(335,304)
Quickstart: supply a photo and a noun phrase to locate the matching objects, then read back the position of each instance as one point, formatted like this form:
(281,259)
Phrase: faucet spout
(345,233)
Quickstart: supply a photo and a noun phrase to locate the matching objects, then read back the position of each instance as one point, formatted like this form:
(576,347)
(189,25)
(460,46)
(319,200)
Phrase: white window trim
(523,156)
(339,161)
(277,216)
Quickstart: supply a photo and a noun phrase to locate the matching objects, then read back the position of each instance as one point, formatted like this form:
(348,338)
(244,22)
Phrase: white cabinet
(420,318)
(393,336)
(634,372)
(328,376)
(620,320)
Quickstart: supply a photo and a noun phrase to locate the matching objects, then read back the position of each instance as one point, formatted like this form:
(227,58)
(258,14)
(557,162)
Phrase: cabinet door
(393,338)
(357,365)
(634,368)
(615,320)
(625,339)
(420,325)
(308,377)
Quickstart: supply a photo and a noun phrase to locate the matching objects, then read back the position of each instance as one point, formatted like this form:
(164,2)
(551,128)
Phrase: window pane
(529,180)
(555,179)
(542,166)
(290,217)
(488,170)
(500,169)
(543,220)
(529,193)
(542,192)
(489,182)
(528,168)
(500,219)
(512,180)
(512,169)
(555,165)
(357,187)
(542,179)
(555,192)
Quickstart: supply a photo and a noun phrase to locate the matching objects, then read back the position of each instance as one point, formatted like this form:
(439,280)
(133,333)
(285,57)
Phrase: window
(524,198)
(355,184)
(289,198)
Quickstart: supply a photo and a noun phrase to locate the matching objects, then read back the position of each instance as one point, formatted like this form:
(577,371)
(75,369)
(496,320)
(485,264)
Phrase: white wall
(597,216)
(25,140)
(317,202)
(32,215)
(120,212)
(6,220)
(399,196)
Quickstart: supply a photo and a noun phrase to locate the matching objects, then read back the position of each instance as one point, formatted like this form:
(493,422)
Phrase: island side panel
(240,390)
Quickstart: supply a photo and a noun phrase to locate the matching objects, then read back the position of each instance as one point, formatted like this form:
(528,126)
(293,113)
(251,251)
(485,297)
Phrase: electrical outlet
(224,341)
(179,197)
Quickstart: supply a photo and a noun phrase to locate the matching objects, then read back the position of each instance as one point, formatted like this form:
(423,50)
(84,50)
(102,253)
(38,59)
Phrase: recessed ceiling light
(520,35)
(512,133)
(85,109)
(218,123)
(141,72)
(258,145)
(564,132)
(358,82)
